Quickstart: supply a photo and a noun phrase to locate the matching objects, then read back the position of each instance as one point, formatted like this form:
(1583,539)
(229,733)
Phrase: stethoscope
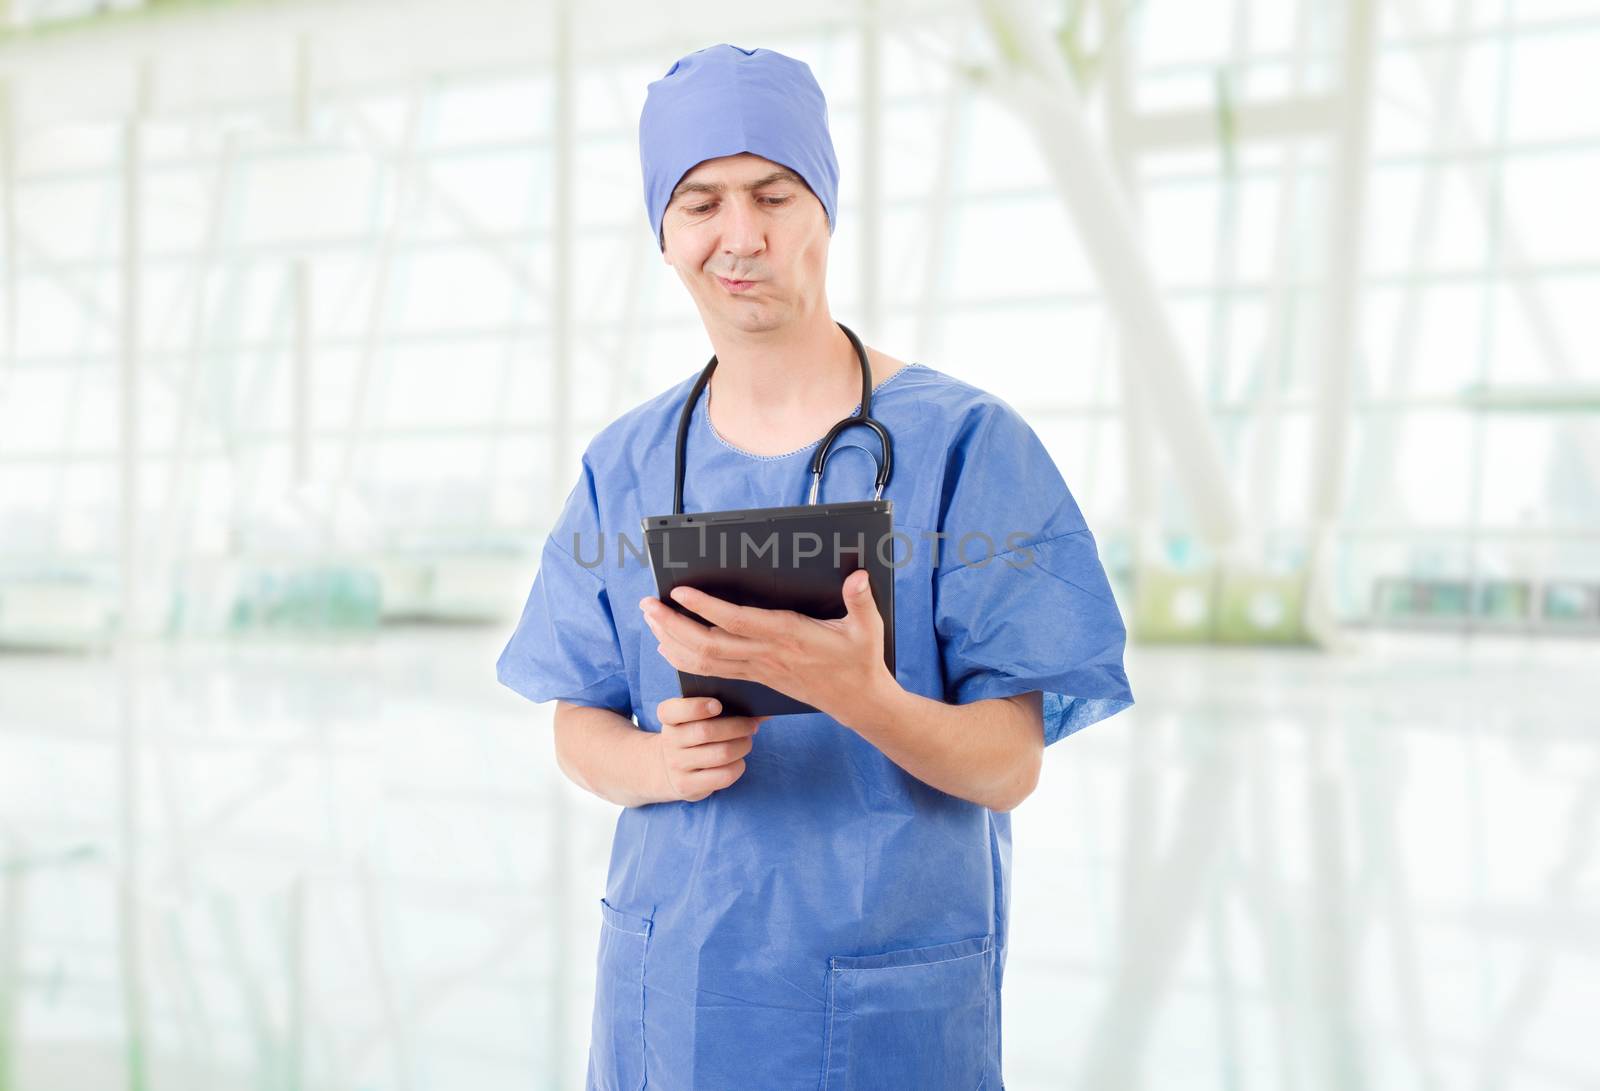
(863,416)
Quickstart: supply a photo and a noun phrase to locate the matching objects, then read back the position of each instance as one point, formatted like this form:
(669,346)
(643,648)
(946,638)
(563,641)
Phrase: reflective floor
(354,866)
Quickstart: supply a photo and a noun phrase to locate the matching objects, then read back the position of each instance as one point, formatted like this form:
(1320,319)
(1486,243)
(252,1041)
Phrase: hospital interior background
(309,309)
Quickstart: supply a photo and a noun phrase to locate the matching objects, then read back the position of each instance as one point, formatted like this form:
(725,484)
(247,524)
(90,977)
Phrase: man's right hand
(702,751)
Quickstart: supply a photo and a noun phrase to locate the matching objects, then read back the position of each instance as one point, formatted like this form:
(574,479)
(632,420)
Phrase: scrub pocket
(616,1042)
(912,1019)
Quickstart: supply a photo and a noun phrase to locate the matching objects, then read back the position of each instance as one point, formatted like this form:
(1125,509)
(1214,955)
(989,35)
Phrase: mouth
(737,286)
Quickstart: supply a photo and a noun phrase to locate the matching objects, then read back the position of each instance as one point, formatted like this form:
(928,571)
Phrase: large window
(344,307)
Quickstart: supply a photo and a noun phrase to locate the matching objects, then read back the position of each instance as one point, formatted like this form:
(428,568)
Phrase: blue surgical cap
(723,100)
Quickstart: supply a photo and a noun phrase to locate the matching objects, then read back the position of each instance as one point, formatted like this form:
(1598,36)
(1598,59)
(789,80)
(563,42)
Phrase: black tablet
(793,558)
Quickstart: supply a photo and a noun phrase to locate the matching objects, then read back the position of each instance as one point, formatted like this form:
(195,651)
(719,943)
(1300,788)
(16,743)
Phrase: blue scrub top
(828,920)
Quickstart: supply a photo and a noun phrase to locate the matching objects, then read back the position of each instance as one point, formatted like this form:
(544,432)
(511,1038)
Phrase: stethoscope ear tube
(820,458)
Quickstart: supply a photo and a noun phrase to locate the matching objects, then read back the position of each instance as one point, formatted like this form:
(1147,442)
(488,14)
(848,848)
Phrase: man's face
(743,218)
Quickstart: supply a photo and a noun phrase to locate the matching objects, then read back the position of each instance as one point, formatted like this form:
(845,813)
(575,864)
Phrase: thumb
(857,592)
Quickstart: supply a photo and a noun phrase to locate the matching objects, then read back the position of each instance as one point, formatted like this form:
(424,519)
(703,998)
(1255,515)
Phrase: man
(825,904)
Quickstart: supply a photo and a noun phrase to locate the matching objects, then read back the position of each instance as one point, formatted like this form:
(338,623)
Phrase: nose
(742,230)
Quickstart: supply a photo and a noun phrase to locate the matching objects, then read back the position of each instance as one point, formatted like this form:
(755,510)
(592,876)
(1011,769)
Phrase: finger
(690,661)
(667,623)
(711,755)
(742,725)
(682,710)
(718,778)
(744,621)
(717,729)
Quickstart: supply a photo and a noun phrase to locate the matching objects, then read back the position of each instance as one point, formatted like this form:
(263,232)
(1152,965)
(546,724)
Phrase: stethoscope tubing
(862,417)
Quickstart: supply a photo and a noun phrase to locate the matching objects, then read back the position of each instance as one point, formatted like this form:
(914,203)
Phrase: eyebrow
(780,175)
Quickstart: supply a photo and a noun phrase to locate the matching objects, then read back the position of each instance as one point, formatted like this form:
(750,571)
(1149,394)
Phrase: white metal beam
(940,218)
(130,918)
(300,287)
(129,363)
(13,908)
(1340,310)
(1284,119)
(870,117)
(182,468)
(1277,343)
(80,69)
(559,476)
(8,244)
(1138,436)
(1374,481)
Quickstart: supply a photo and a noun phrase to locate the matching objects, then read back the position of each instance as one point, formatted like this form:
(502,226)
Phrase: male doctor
(815,900)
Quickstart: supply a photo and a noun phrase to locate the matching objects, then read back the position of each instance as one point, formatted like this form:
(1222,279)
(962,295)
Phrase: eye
(771,202)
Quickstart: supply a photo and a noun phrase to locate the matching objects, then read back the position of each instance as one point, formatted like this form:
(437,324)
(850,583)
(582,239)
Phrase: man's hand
(703,752)
(835,664)
(988,752)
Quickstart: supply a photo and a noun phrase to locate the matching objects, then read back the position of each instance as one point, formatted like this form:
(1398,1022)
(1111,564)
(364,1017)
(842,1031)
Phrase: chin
(765,324)
(755,319)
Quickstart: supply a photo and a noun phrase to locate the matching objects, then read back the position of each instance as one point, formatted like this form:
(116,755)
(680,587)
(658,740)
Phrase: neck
(812,366)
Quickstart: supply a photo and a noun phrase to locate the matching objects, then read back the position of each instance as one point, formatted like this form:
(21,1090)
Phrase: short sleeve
(1034,610)
(565,646)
